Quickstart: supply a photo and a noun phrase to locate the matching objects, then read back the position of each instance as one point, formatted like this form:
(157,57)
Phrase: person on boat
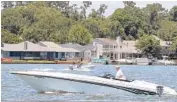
(119,74)
(71,67)
(74,65)
(89,61)
(80,63)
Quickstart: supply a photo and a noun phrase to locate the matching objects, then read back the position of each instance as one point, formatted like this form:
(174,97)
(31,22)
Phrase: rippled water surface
(14,89)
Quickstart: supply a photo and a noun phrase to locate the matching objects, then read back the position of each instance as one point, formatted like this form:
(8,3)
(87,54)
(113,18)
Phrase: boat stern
(169,91)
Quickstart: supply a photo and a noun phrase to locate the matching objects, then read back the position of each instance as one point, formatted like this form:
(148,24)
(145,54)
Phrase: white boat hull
(56,81)
(55,85)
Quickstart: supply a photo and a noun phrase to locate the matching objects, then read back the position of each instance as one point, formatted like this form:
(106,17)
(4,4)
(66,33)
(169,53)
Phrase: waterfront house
(91,50)
(109,47)
(42,50)
(128,50)
(83,51)
(117,49)
(59,51)
(25,50)
(165,47)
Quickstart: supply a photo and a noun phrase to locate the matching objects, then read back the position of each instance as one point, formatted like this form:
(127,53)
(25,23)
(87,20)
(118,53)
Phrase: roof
(48,44)
(32,47)
(74,46)
(105,41)
(55,47)
(71,45)
(90,47)
(21,47)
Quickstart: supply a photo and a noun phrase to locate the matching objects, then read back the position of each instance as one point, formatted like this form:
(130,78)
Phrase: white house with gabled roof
(60,52)
(42,50)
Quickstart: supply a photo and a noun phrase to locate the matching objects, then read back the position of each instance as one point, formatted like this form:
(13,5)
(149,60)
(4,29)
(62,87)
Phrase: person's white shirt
(119,74)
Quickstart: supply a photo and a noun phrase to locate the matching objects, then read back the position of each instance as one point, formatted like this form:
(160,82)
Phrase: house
(42,50)
(60,52)
(165,46)
(84,52)
(109,47)
(25,50)
(93,49)
(117,49)
(128,49)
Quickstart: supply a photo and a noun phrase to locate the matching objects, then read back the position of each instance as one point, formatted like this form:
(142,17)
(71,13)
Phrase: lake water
(14,89)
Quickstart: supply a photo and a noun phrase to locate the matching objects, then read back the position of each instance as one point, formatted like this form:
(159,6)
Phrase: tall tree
(79,34)
(75,15)
(129,3)
(84,8)
(168,30)
(102,10)
(131,19)
(7,37)
(154,14)
(93,13)
(173,13)
(174,45)
(63,6)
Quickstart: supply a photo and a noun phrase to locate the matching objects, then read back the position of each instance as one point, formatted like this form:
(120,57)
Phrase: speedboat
(67,82)
(84,67)
(88,65)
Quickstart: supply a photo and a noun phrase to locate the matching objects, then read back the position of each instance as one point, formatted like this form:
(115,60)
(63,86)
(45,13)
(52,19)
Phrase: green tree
(93,14)
(173,13)
(154,13)
(168,30)
(84,8)
(13,20)
(148,45)
(131,19)
(7,37)
(102,10)
(174,45)
(62,6)
(53,21)
(129,3)
(74,13)
(98,27)
(79,34)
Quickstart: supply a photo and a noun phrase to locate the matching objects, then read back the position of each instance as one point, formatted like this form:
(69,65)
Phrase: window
(56,54)
(15,54)
(62,54)
(106,46)
(77,54)
(28,54)
(69,54)
(36,54)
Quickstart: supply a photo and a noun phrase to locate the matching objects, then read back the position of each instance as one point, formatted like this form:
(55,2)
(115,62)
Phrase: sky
(113,5)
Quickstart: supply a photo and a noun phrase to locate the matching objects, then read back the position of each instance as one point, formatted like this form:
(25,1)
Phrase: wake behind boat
(57,81)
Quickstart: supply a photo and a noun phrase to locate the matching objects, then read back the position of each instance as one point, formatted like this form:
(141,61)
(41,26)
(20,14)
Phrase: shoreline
(63,62)
(39,62)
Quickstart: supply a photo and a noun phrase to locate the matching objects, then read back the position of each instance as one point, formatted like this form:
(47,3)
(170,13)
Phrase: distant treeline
(61,22)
